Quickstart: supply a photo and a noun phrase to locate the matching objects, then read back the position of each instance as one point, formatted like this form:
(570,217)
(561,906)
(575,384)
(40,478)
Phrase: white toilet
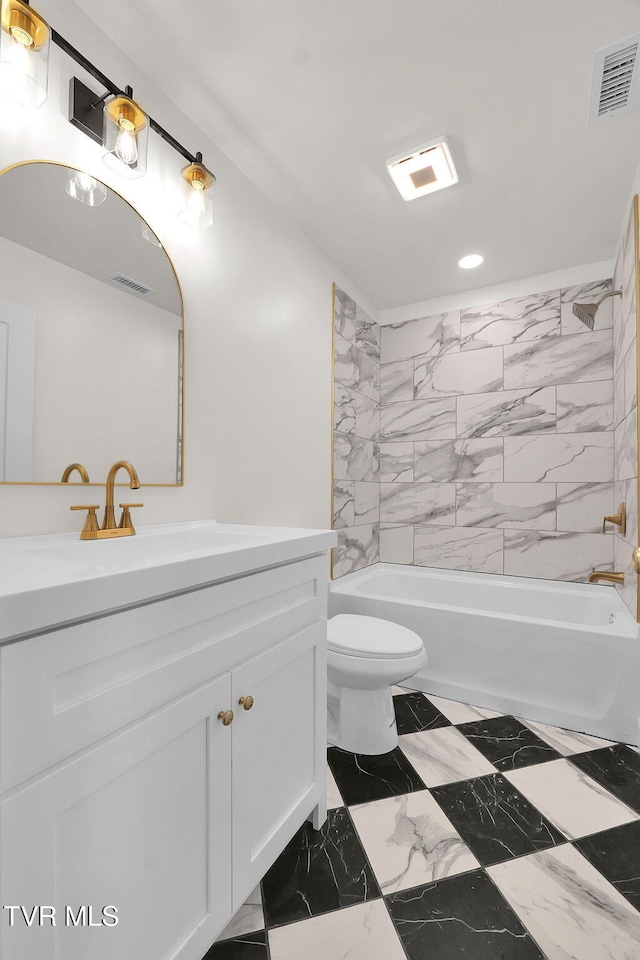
(366,656)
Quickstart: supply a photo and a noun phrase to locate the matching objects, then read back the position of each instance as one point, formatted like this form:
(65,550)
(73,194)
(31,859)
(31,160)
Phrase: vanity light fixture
(86,189)
(423,170)
(24,54)
(471,261)
(197,189)
(125,135)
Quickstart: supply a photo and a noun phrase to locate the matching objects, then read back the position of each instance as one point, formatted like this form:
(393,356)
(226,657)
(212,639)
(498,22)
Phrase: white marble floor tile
(363,932)
(444,756)
(247,919)
(569,908)
(334,797)
(410,842)
(565,742)
(458,712)
(570,799)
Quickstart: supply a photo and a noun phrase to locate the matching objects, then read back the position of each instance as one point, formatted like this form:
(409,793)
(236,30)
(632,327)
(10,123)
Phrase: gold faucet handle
(91,523)
(125,519)
(619,519)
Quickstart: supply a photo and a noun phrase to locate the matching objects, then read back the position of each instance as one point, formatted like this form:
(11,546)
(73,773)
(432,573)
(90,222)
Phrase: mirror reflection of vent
(133,286)
(615,80)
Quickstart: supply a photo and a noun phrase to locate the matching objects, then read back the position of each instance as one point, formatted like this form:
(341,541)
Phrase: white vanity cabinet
(119,784)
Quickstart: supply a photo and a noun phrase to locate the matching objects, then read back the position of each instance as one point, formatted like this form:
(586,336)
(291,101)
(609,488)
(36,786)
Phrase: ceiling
(310,97)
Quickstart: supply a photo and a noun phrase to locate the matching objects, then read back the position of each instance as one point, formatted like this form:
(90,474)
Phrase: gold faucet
(84,476)
(596,575)
(109,528)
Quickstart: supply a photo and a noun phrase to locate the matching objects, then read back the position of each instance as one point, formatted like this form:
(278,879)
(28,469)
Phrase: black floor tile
(362,779)
(251,947)
(415,713)
(317,872)
(507,743)
(615,768)
(616,854)
(460,918)
(494,819)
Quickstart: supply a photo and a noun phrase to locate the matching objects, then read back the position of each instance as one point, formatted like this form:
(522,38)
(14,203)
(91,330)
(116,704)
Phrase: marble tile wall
(497,449)
(356,488)
(625,407)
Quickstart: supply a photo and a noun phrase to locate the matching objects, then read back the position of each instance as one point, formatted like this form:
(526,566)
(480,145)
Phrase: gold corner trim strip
(58,483)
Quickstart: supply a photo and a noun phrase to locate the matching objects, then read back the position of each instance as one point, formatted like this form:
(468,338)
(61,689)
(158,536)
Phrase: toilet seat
(371,637)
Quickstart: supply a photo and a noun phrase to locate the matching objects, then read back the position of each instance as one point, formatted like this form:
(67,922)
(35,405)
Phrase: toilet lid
(371,637)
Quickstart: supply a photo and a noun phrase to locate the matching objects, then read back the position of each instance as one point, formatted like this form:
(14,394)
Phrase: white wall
(257,300)
(106,371)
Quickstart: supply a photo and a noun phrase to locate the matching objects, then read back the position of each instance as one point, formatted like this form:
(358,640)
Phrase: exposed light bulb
(20,62)
(195,204)
(126,148)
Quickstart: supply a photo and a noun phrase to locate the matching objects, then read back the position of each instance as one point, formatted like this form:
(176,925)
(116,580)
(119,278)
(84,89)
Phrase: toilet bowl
(366,656)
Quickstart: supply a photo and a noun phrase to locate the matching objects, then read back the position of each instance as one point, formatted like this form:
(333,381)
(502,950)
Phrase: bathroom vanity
(162,731)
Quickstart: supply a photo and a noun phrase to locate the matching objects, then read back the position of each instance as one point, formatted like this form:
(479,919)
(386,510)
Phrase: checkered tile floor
(482,837)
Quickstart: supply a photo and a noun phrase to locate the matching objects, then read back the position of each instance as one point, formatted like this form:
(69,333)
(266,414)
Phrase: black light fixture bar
(114,89)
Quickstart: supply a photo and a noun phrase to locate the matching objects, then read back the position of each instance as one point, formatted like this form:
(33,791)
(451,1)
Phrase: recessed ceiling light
(473,260)
(424,170)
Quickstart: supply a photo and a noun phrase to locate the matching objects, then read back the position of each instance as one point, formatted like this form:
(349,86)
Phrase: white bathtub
(561,653)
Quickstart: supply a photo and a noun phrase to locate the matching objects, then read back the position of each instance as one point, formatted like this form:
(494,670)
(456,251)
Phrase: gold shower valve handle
(226,717)
(619,519)
(246,702)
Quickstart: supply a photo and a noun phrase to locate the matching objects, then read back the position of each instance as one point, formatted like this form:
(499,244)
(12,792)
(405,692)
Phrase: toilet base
(362,721)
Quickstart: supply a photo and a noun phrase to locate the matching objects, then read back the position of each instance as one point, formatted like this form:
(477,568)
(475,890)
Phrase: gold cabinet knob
(226,716)
(635,557)
(246,702)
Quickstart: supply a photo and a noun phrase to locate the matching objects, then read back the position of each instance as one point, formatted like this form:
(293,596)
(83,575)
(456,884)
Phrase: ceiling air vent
(133,286)
(615,80)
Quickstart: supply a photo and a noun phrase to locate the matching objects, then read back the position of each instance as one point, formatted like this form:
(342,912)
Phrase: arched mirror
(91,333)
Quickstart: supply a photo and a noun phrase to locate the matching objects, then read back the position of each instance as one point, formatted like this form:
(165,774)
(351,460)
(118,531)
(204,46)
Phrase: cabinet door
(279,750)
(141,822)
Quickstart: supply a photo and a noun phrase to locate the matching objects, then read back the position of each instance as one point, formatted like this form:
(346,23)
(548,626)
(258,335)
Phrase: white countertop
(51,580)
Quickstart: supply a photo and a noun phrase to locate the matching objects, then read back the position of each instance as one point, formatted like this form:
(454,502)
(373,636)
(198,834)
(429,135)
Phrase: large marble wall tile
(367,502)
(396,381)
(344,315)
(419,420)
(459,548)
(402,503)
(354,458)
(396,461)
(448,460)
(343,504)
(456,373)
(630,367)
(581,506)
(367,425)
(344,409)
(528,505)
(571,359)
(583,407)
(357,548)
(626,447)
(512,321)
(586,293)
(563,457)
(626,491)
(429,335)
(510,412)
(354,368)
(552,555)
(619,398)
(367,335)
(622,560)
(396,543)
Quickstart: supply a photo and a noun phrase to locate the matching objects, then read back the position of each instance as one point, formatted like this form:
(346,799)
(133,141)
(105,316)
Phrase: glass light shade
(125,135)
(150,236)
(86,189)
(197,187)
(24,54)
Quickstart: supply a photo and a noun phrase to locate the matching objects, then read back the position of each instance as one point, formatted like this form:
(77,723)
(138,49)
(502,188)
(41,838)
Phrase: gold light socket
(126,114)
(24,25)
(197,176)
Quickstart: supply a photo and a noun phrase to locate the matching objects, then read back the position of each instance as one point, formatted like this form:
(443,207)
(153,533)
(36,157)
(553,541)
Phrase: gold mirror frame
(180,460)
